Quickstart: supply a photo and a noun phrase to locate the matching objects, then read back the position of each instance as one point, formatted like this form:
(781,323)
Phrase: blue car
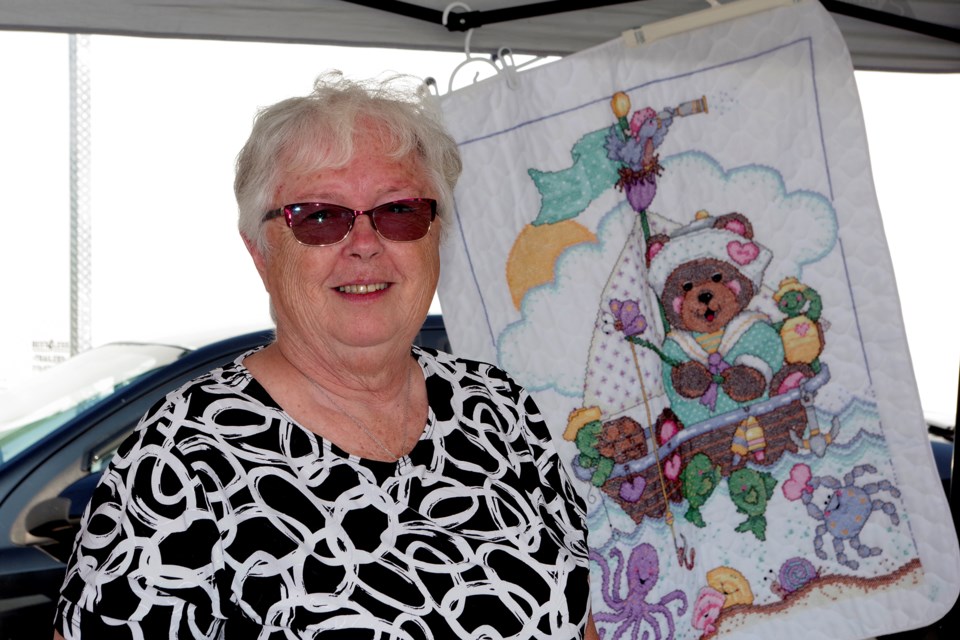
(57,437)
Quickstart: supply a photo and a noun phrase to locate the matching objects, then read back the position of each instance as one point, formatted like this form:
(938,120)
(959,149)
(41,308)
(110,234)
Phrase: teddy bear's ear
(655,244)
(735,222)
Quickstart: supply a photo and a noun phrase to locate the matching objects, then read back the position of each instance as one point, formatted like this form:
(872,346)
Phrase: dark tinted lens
(404,220)
(320,223)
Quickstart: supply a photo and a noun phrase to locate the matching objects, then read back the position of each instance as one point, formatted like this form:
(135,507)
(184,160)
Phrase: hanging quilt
(677,248)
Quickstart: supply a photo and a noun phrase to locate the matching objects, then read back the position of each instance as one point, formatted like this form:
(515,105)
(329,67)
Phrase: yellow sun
(535,252)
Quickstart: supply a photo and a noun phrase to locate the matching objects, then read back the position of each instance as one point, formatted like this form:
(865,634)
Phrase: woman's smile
(362,289)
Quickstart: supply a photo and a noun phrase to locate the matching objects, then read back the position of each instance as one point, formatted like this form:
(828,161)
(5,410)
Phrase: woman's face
(364,291)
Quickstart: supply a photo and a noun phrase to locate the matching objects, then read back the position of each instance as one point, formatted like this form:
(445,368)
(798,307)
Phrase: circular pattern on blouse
(222,517)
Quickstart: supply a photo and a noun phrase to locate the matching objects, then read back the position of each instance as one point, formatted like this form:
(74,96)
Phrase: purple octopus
(633,611)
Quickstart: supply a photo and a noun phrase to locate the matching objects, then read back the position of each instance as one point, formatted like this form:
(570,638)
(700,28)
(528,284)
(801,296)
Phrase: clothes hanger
(466,47)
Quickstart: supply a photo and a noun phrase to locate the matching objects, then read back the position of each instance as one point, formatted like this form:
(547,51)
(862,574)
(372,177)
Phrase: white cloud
(558,317)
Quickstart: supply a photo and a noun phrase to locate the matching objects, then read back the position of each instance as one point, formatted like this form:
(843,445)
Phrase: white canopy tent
(887,35)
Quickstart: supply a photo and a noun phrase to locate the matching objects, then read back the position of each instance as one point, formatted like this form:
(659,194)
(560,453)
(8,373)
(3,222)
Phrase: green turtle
(699,478)
(750,491)
(587,440)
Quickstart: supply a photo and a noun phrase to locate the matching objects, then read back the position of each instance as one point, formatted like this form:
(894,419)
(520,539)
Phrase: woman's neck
(353,374)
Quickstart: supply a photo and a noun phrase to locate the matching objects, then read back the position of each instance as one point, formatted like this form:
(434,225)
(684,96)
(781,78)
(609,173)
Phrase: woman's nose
(364,239)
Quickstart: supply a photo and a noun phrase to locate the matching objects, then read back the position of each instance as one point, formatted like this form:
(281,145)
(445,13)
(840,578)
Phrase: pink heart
(672,468)
(668,430)
(792,490)
(742,252)
(799,481)
(631,490)
(802,329)
(801,473)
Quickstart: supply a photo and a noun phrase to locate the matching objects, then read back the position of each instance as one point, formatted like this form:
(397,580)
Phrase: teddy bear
(720,354)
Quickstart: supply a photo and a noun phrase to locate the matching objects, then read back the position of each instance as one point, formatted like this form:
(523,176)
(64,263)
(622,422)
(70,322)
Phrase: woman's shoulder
(193,410)
(484,402)
(467,373)
(231,381)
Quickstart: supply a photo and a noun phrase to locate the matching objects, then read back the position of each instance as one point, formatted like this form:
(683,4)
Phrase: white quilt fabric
(591,256)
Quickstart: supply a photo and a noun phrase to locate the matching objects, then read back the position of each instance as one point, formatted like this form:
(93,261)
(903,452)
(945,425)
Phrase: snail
(794,573)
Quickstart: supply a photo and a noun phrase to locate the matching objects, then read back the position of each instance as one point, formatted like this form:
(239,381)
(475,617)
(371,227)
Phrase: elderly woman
(338,482)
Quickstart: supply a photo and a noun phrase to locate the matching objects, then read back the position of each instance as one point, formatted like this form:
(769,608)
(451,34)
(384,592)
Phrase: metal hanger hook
(452,5)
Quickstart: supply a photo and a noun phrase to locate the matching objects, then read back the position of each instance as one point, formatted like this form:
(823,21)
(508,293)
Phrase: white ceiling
(873,46)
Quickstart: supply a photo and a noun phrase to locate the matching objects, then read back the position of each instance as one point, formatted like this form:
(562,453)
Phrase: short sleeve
(145,563)
(562,504)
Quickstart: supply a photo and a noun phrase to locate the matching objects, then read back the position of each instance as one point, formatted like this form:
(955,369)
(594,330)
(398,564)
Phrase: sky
(168,118)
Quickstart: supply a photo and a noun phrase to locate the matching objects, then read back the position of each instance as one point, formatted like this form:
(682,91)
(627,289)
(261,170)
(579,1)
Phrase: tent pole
(942,31)
(80,280)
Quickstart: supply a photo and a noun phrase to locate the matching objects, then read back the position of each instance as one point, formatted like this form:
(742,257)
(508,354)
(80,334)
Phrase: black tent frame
(465,20)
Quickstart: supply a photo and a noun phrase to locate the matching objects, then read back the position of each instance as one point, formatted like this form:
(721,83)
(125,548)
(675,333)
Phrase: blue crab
(846,509)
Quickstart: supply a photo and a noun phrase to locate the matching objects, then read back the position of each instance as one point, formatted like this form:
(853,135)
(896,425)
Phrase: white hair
(317,132)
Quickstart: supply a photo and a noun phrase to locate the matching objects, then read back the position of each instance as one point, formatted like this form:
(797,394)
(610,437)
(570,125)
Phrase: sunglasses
(319,224)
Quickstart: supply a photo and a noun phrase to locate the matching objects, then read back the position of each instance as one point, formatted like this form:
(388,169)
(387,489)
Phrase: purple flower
(628,318)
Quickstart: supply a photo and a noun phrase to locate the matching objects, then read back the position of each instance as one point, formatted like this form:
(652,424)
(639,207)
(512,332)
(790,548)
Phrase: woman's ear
(259,260)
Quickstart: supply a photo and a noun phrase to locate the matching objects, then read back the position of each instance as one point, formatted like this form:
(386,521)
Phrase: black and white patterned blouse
(221,517)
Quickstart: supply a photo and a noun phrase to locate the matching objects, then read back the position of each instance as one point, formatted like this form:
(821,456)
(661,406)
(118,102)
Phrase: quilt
(677,248)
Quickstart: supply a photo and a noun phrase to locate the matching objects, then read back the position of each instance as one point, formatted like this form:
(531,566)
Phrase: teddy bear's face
(704,295)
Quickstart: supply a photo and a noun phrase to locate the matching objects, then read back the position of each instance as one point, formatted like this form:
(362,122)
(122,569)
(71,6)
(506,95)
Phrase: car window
(43,402)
